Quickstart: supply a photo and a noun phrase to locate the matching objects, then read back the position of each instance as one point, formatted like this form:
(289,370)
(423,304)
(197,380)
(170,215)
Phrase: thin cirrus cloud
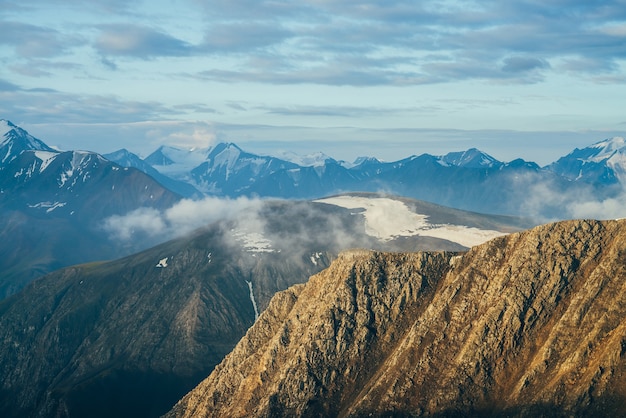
(139,41)
(142,42)
(6,86)
(240,36)
(33,41)
(54,105)
(329,74)
(259,9)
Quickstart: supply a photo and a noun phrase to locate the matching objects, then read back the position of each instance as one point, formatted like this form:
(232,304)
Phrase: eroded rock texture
(531,324)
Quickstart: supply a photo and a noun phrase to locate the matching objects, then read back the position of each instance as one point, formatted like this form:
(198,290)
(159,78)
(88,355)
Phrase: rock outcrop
(531,324)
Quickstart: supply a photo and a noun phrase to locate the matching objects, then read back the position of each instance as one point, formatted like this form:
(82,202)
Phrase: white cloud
(612,208)
(145,220)
(182,218)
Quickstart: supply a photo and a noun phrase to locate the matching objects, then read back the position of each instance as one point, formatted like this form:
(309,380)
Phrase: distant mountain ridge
(125,158)
(16,140)
(469,180)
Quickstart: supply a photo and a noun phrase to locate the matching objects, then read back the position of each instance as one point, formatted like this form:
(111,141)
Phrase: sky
(530,79)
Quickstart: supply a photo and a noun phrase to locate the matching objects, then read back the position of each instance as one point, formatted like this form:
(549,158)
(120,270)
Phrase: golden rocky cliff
(530,324)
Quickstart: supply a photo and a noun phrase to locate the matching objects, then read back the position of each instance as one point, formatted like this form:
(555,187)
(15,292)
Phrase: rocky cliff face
(531,324)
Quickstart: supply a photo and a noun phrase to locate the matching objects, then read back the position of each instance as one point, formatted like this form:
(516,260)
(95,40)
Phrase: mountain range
(468,180)
(54,204)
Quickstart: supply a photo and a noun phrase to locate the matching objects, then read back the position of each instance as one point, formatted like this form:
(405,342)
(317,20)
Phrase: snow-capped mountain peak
(176,162)
(15,140)
(5,127)
(472,158)
(225,154)
(122,155)
(608,148)
(361,162)
(603,162)
(316,159)
(229,169)
(615,149)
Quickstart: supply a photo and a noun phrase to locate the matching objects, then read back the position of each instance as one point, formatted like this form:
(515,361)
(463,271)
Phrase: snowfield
(183,161)
(46,158)
(253,242)
(387,219)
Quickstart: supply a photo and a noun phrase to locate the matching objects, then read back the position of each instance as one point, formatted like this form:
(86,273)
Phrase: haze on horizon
(381,78)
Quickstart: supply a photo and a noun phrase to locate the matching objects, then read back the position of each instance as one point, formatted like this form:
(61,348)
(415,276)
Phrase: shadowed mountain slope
(52,205)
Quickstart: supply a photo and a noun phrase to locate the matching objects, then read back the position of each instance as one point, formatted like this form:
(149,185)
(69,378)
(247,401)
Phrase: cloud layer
(341,43)
(180,219)
(292,226)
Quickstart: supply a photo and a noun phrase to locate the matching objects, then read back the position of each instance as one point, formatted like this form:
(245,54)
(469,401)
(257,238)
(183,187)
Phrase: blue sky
(389,78)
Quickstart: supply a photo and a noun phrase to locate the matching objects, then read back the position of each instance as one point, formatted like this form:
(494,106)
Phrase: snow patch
(162,263)
(309,160)
(387,219)
(315,257)
(180,161)
(46,158)
(48,206)
(608,147)
(65,176)
(8,154)
(254,305)
(253,242)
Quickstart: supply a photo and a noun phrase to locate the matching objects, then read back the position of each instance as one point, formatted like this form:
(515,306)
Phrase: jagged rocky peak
(530,324)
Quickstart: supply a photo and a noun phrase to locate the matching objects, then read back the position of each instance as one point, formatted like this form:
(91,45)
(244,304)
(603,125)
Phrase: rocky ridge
(530,324)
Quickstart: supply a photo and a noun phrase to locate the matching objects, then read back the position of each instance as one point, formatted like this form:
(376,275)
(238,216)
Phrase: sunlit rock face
(531,324)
